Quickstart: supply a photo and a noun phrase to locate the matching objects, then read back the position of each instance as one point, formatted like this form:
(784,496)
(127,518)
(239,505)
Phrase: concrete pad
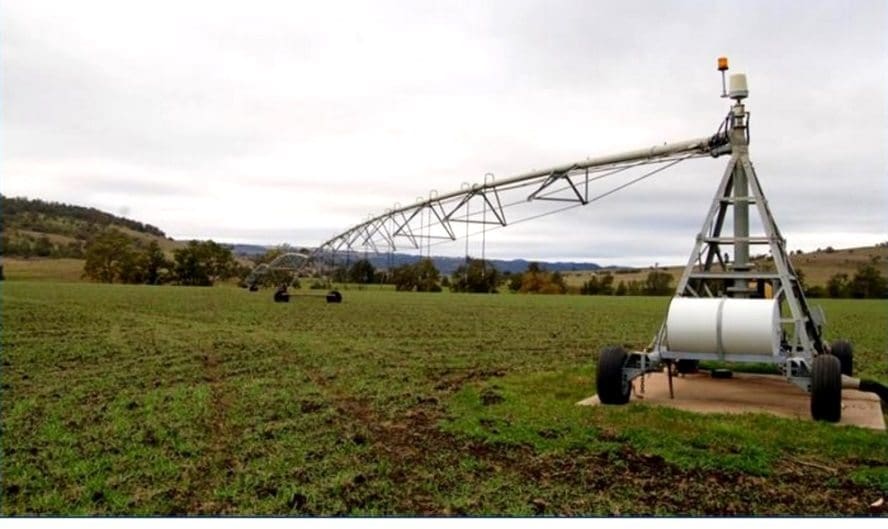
(749,393)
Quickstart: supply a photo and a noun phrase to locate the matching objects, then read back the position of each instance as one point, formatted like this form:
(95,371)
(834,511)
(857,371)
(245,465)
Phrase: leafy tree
(191,267)
(404,277)
(868,283)
(537,280)
(515,282)
(362,271)
(607,284)
(73,249)
(421,277)
(603,286)
(156,264)
(837,286)
(43,247)
(590,287)
(106,255)
(621,289)
(657,283)
(476,276)
(202,263)
(815,291)
(132,267)
(427,276)
(25,249)
(534,279)
(557,280)
(633,288)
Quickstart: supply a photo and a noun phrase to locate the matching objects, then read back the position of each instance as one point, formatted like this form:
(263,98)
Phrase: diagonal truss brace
(582,198)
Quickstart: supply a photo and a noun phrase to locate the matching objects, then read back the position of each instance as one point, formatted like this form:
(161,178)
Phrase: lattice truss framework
(494,204)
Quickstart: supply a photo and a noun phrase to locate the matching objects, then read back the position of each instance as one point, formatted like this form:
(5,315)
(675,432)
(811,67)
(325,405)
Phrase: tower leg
(741,230)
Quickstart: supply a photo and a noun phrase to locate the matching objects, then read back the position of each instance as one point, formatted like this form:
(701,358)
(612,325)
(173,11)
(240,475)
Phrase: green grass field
(161,400)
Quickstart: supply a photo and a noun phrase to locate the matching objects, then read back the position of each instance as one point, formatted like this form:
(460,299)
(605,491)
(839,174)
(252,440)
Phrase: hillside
(36,228)
(817,267)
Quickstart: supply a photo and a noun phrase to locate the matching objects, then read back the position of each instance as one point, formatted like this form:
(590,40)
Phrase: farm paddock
(161,400)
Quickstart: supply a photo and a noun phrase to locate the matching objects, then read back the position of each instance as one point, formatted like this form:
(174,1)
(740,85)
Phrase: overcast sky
(268,122)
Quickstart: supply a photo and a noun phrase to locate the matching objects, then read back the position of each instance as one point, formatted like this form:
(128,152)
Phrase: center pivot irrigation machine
(723,310)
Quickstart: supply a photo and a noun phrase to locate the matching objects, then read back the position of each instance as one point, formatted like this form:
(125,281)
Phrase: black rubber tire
(685,367)
(826,388)
(334,296)
(281,297)
(609,378)
(842,350)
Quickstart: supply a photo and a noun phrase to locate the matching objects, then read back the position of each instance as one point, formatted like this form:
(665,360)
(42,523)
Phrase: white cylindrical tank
(692,325)
(728,325)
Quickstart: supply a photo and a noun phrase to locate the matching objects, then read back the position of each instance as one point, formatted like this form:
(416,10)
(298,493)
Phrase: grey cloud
(294,118)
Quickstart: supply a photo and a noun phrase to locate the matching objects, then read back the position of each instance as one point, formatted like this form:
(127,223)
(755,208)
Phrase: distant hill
(248,250)
(37,228)
(448,265)
(817,266)
(42,216)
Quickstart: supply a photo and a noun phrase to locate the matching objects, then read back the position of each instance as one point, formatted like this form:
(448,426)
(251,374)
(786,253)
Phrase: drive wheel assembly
(611,387)
(826,388)
(842,350)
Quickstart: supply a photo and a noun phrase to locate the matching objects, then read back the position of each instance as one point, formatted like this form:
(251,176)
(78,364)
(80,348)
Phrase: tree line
(114,257)
(656,283)
(479,276)
(866,283)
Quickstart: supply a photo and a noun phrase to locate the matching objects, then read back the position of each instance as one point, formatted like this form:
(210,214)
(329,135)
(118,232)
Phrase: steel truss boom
(432,218)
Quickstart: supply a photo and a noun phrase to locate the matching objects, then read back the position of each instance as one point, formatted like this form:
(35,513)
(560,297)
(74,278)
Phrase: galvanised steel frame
(708,274)
(435,218)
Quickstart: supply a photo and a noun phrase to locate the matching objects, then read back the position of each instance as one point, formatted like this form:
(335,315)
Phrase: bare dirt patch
(643,483)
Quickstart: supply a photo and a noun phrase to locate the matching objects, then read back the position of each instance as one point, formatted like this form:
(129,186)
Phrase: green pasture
(163,400)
